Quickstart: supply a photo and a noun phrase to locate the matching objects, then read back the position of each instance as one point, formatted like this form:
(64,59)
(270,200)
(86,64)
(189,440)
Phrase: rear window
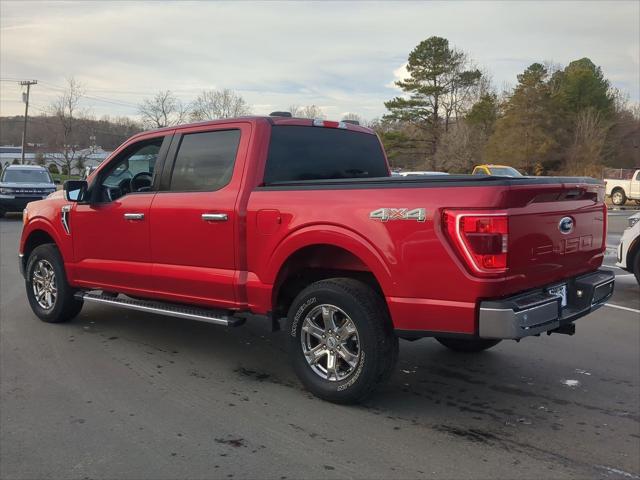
(505,171)
(26,175)
(316,153)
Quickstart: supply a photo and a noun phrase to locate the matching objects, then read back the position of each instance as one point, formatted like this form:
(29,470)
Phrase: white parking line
(634,310)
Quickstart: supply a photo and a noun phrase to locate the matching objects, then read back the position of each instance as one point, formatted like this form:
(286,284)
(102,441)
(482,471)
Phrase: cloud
(400,73)
(340,56)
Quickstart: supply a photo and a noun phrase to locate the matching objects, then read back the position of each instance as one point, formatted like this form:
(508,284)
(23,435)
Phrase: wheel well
(634,248)
(311,264)
(617,189)
(35,239)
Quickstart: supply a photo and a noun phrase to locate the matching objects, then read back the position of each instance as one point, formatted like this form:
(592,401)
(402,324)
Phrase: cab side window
(132,172)
(205,161)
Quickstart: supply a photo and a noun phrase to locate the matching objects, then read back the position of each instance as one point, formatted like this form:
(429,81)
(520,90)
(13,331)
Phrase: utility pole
(25,99)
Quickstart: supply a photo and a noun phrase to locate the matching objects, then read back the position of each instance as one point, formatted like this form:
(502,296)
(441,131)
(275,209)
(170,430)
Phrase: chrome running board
(217,317)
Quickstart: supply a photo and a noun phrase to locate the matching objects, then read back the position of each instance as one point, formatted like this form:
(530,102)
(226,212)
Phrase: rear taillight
(481,239)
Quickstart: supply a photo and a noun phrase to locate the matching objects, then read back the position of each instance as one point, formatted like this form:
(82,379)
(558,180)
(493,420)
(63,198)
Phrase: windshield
(505,171)
(314,153)
(26,175)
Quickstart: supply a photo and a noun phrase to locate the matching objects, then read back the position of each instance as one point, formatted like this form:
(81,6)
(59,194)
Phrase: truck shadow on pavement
(503,385)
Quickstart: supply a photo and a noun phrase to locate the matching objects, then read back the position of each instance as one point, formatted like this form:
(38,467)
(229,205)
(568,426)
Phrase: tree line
(449,117)
(555,120)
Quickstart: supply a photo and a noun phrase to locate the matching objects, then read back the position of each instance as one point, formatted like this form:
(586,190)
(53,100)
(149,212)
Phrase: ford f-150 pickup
(271,217)
(622,190)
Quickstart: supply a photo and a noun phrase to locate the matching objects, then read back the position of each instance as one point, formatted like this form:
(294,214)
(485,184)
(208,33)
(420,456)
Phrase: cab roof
(303,122)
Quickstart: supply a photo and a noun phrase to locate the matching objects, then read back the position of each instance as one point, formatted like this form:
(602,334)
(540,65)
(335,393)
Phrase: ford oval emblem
(566,225)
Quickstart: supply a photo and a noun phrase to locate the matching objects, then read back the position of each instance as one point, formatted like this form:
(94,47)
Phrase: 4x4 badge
(387,214)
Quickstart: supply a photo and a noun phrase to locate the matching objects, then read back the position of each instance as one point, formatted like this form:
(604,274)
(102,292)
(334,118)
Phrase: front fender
(44,224)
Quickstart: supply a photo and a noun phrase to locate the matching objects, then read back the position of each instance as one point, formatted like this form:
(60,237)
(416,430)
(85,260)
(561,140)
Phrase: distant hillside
(42,131)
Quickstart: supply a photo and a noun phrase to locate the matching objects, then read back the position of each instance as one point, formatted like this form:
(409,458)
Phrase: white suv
(629,248)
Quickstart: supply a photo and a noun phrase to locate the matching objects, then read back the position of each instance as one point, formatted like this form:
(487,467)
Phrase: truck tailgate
(555,232)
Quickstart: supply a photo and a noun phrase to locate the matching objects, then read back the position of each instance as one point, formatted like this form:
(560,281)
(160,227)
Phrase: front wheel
(636,266)
(472,345)
(341,341)
(50,296)
(618,197)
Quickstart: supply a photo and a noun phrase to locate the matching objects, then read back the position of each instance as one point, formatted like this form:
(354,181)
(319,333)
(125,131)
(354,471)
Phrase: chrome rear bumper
(538,311)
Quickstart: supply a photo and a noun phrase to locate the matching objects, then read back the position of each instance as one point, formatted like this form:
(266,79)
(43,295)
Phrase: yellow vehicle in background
(500,170)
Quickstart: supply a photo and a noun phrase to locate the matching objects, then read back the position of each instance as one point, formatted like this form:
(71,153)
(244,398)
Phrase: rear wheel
(341,341)
(471,345)
(618,197)
(50,296)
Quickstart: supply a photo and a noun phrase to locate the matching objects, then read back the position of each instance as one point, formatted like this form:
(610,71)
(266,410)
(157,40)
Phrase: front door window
(134,172)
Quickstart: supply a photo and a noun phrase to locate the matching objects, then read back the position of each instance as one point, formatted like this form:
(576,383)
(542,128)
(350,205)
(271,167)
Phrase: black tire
(471,345)
(377,343)
(2,212)
(64,307)
(636,266)
(618,197)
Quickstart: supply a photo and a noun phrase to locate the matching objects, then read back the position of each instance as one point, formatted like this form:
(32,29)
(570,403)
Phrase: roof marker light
(318,122)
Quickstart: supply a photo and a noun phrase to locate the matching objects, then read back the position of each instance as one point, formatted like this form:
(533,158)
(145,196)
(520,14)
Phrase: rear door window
(205,161)
(315,153)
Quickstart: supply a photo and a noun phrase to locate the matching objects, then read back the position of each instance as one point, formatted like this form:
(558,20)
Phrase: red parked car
(285,217)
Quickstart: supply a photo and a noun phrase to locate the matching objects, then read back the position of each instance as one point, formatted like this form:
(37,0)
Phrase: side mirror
(75,190)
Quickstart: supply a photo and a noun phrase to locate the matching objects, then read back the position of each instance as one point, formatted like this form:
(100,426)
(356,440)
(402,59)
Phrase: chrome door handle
(134,216)
(215,217)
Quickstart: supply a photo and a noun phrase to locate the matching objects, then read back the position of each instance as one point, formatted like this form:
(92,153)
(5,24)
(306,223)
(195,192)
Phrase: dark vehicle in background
(21,184)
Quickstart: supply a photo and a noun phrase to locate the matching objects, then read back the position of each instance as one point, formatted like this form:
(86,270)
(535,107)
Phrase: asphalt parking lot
(119,394)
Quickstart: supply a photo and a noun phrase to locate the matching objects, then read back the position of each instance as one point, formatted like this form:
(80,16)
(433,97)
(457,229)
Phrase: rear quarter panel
(426,285)
(410,259)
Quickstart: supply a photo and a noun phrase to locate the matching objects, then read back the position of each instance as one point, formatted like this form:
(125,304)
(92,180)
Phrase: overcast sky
(340,56)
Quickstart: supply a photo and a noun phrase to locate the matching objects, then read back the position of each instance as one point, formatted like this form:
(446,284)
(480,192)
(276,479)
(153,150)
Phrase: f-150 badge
(388,214)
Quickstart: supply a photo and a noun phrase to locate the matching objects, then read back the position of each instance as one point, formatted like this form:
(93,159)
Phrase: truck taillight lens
(481,239)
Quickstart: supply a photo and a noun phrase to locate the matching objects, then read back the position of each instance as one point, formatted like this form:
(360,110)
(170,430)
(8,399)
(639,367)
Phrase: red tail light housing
(481,239)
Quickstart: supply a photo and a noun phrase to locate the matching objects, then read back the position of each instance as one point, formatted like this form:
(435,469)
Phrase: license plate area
(559,291)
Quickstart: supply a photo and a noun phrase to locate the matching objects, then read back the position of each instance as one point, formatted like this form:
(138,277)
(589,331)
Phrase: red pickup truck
(284,217)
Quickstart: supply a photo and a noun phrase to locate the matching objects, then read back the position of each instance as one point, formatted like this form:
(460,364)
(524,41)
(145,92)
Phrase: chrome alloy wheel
(43,282)
(330,342)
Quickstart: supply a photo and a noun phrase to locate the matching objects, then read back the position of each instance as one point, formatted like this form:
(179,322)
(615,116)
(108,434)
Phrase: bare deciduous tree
(213,104)
(459,148)
(65,135)
(164,110)
(463,82)
(590,134)
(306,111)
(353,116)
